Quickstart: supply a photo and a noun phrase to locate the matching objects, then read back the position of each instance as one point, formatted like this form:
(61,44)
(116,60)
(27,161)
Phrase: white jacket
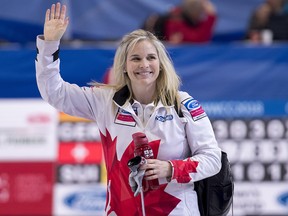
(171,136)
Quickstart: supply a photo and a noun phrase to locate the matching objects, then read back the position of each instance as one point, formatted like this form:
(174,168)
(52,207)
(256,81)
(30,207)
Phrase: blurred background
(52,163)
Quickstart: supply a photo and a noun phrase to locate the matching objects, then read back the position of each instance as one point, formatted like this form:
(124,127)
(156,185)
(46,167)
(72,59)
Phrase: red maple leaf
(122,200)
(182,169)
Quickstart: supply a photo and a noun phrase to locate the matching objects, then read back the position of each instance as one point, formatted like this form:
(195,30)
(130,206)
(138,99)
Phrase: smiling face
(143,65)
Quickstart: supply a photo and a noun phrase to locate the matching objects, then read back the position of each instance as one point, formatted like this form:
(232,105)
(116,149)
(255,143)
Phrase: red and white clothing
(171,137)
(199,33)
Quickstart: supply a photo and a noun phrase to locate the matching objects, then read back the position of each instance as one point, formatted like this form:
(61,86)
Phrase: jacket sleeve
(65,97)
(206,154)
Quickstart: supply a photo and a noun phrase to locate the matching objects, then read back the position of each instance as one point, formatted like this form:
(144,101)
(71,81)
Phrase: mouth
(143,73)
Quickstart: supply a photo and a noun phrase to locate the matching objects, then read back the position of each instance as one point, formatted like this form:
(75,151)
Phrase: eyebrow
(136,55)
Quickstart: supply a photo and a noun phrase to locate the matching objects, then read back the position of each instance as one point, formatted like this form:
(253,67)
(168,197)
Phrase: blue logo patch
(164,118)
(86,201)
(283,199)
(194,108)
(123,111)
(191,104)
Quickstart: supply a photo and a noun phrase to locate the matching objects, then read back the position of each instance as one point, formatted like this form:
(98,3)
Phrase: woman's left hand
(157,169)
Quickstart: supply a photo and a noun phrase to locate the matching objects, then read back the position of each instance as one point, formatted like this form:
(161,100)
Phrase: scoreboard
(255,136)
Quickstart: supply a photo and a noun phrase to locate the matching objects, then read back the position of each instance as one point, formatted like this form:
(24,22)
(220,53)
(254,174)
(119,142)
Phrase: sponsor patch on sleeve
(194,108)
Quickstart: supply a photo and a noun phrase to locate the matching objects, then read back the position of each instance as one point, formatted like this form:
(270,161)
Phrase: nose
(144,63)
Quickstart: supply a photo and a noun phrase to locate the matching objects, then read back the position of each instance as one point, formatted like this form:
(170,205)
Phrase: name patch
(194,108)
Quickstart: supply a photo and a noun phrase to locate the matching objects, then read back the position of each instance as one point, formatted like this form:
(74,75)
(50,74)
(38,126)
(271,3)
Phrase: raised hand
(56,22)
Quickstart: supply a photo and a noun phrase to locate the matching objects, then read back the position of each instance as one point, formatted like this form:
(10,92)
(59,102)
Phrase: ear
(125,69)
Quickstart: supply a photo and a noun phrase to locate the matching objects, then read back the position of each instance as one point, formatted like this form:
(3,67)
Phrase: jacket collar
(121,96)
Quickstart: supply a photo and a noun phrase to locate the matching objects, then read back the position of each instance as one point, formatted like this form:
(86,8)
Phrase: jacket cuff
(181,170)
(46,48)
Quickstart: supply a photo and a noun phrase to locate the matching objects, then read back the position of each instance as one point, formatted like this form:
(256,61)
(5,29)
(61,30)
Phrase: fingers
(149,165)
(152,167)
(47,16)
(56,12)
(151,172)
(52,15)
(56,22)
(63,12)
(157,169)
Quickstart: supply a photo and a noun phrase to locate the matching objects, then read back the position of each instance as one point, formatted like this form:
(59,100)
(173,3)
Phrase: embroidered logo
(195,109)
(283,199)
(125,118)
(164,118)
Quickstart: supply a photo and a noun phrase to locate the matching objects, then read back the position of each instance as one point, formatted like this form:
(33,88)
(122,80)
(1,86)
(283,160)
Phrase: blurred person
(108,77)
(145,98)
(191,21)
(271,17)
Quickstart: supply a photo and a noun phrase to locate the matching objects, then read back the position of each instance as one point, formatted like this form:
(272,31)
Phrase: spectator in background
(108,77)
(192,21)
(271,16)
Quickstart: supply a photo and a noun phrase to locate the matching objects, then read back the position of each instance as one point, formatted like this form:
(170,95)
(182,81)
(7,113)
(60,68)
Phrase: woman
(145,98)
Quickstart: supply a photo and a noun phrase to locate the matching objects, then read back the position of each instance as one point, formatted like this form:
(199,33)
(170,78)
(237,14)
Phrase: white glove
(136,175)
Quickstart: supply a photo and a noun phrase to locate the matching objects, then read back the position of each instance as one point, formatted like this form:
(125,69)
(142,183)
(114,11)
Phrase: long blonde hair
(167,83)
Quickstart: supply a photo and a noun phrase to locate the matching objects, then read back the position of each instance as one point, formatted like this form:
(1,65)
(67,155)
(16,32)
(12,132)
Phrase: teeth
(143,73)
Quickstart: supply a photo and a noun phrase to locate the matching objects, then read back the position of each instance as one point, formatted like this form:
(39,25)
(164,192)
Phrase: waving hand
(56,22)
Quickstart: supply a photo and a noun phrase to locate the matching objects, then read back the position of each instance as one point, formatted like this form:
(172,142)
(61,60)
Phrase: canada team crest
(125,118)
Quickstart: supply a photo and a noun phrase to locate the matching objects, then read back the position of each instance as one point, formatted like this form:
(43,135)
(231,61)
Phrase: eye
(135,59)
(152,57)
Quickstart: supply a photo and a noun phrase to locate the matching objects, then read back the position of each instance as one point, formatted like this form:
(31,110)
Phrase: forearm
(47,67)
(65,97)
(196,168)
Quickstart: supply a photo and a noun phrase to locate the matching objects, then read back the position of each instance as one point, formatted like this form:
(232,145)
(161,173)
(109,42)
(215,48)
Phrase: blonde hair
(167,83)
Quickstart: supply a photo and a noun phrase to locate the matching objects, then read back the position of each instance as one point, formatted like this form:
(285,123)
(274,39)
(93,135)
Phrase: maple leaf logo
(120,198)
(182,169)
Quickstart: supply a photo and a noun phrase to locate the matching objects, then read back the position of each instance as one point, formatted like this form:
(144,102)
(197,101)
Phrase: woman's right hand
(56,22)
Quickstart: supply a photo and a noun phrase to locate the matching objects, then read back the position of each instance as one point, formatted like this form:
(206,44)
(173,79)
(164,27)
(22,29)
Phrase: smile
(144,73)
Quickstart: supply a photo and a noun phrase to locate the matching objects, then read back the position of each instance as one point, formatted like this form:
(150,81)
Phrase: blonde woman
(145,98)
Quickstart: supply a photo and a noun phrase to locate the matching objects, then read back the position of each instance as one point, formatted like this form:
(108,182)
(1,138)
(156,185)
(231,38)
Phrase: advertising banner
(28,150)
(80,187)
(79,199)
(255,136)
(27,130)
(26,188)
